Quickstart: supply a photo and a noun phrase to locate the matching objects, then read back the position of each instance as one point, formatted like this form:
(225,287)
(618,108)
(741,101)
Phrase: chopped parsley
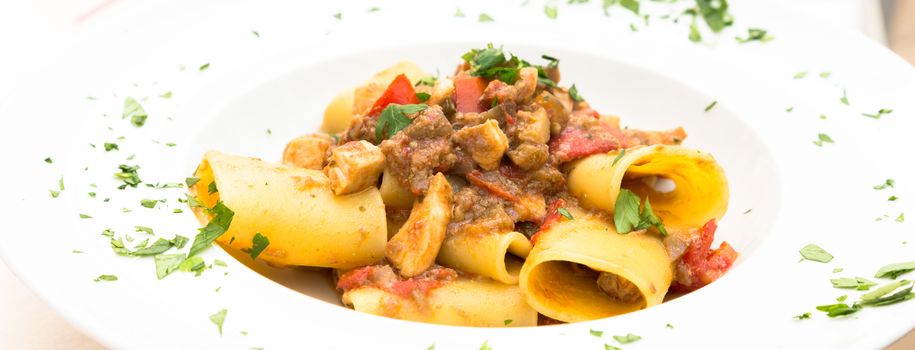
(551,10)
(151,203)
(427,81)
(804,316)
(844,98)
(800,75)
(134,111)
(394,118)
(901,217)
(144,229)
(597,333)
(813,252)
(565,213)
(338,15)
(825,74)
(211,188)
(888,183)
(711,105)
(128,175)
(258,244)
(859,283)
(611,347)
(166,95)
(107,278)
(219,318)
(880,113)
(485,18)
(54,194)
(892,198)
(626,339)
(191,181)
(458,13)
(821,139)
(490,63)
(507,322)
(892,271)
(573,93)
(77,251)
(618,157)
(422,96)
(789,109)
(715,13)
(756,34)
(49,160)
(374,9)
(628,218)
(879,296)
(204,67)
(218,262)
(84,216)
(694,34)
(158,247)
(167,263)
(193,264)
(748,211)
(256,33)
(222,218)
(840,309)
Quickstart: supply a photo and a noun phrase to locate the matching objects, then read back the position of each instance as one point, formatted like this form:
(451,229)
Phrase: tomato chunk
(577,141)
(467,93)
(700,265)
(399,92)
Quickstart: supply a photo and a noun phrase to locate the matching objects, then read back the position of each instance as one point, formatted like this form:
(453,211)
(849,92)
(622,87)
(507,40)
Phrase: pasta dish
(492,197)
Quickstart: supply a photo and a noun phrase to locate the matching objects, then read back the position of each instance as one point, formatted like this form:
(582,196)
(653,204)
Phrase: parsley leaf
(458,13)
(844,98)
(204,67)
(158,247)
(428,81)
(573,93)
(626,339)
(597,333)
(49,160)
(84,216)
(394,118)
(565,213)
(618,157)
(813,252)
(880,113)
(551,10)
(111,147)
(895,270)
(611,347)
(128,175)
(840,309)
(485,18)
(507,322)
(166,95)
(151,203)
(211,188)
(191,181)
(222,218)
(134,111)
(822,138)
(859,283)
(711,105)
(628,218)
(167,263)
(218,319)
(694,34)
(901,217)
(756,34)
(878,298)
(715,13)
(803,316)
(258,244)
(800,75)
(108,278)
(422,96)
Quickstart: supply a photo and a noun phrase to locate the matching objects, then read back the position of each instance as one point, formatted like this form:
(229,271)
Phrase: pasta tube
(307,224)
(701,191)
(582,269)
(498,256)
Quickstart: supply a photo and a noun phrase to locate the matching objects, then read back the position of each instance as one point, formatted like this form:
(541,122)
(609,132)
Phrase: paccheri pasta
(490,195)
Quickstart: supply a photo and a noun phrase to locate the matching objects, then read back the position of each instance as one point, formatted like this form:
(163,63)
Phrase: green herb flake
(565,213)
(485,18)
(216,227)
(628,218)
(92,194)
(54,194)
(256,34)
(394,118)
(144,229)
(711,105)
(844,98)
(626,339)
(427,81)
(150,203)
(813,252)
(191,181)
(840,309)
(507,322)
(84,216)
(459,13)
(258,244)
(804,316)
(631,5)
(167,263)
(892,198)
(842,298)
(219,318)
(107,278)
(611,347)
(211,188)
(789,109)
(551,10)
(756,34)
(374,9)
(573,93)
(597,333)
(880,113)
(77,251)
(166,95)
(837,270)
(879,296)
(134,111)
(892,271)
(49,160)
(800,75)
(203,67)
(821,139)
(338,16)
(158,247)
(694,34)
(128,175)
(859,283)
(748,211)
(900,218)
(618,157)
(177,211)
(825,74)
(218,262)
(422,96)
(715,13)
(888,183)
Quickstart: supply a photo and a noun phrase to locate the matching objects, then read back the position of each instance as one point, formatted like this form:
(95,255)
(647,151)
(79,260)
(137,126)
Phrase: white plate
(281,81)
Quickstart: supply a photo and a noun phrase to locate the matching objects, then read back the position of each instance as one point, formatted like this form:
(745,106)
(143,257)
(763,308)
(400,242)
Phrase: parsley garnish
(711,105)
(626,339)
(565,213)
(428,81)
(338,15)
(888,183)
(218,319)
(880,113)
(803,316)
(611,347)
(840,309)
(694,34)
(507,322)
(813,252)
(166,95)
(825,74)
(394,118)
(895,270)
(573,93)
(859,283)
(422,96)
(211,188)
(878,296)
(551,10)
(628,218)
(374,9)
(128,175)
(822,138)
(844,98)
(597,333)
(191,181)
(193,264)
(800,75)
(715,13)
(789,109)
(167,263)
(84,216)
(458,13)
(222,218)
(485,18)
(108,278)
(49,160)
(204,67)
(258,244)
(901,217)
(892,198)
(218,262)
(134,111)
(618,157)
(756,34)
(151,203)
(111,147)
(144,229)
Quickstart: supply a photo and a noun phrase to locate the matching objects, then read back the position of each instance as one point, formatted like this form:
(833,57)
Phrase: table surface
(28,323)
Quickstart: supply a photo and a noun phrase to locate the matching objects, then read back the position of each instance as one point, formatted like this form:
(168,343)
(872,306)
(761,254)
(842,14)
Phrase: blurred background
(30,29)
